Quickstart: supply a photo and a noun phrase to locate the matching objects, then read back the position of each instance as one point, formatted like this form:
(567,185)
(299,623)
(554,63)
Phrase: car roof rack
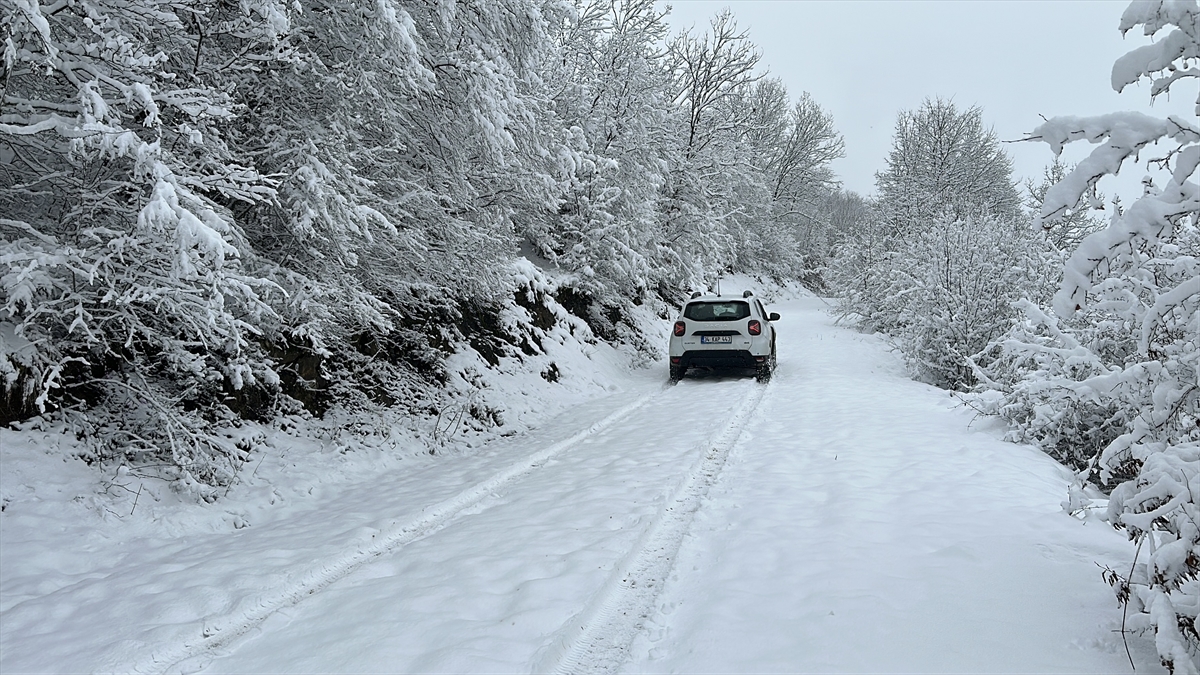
(696,294)
(747,294)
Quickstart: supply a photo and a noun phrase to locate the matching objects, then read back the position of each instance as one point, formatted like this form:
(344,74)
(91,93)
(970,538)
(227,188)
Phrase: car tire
(677,372)
(766,368)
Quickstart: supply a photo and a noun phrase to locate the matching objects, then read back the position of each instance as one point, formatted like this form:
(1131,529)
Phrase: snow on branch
(1119,135)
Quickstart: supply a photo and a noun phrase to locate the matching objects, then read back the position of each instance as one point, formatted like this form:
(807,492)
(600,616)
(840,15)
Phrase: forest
(217,212)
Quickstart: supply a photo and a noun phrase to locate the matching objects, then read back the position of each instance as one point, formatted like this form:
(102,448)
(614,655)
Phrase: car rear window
(717,311)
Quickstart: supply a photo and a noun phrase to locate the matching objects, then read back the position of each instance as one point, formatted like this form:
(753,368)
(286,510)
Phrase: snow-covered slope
(842,518)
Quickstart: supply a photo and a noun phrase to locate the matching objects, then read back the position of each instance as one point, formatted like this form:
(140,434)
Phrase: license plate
(716,339)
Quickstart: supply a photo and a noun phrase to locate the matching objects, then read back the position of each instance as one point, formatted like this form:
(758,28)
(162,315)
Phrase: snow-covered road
(503,586)
(841,519)
(861,526)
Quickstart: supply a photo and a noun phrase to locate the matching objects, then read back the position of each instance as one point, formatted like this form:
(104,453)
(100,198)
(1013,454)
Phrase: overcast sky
(864,61)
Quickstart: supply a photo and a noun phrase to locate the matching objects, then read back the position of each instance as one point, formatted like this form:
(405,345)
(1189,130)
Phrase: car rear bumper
(718,358)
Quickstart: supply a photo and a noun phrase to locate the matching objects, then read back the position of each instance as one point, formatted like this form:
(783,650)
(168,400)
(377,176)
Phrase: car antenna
(718,283)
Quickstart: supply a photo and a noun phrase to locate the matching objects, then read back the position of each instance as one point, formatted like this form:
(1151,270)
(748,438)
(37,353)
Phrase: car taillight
(680,327)
(754,327)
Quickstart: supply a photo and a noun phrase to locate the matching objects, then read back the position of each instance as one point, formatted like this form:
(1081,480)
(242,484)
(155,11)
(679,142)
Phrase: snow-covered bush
(1039,378)
(946,292)
(954,295)
(937,261)
(1112,384)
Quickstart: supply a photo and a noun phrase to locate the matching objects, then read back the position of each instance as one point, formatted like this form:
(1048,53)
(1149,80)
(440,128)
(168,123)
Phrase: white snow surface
(842,518)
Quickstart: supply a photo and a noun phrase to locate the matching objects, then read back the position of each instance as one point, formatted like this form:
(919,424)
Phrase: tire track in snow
(597,640)
(222,630)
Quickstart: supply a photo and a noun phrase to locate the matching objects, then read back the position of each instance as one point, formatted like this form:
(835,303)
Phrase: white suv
(721,332)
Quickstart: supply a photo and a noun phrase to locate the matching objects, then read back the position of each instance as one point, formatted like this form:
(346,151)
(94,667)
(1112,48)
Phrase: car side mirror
(773,316)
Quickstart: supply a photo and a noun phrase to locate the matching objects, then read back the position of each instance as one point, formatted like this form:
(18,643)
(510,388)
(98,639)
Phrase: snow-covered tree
(944,161)
(410,138)
(204,203)
(791,147)
(126,278)
(753,164)
(849,215)
(212,210)
(857,242)
(1114,377)
(610,88)
(951,290)
(947,250)
(713,74)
